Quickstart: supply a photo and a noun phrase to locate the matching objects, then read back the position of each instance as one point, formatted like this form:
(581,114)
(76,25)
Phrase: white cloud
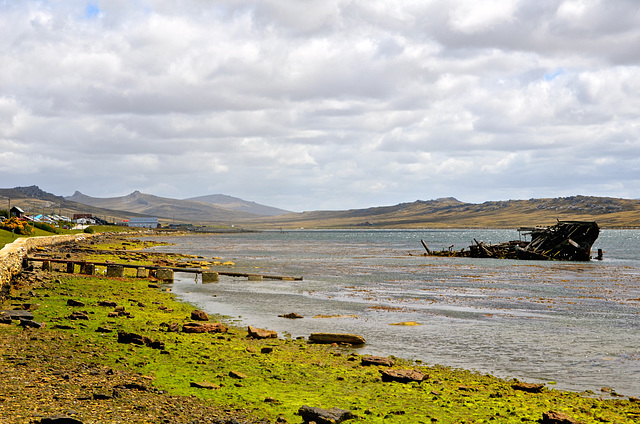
(322,104)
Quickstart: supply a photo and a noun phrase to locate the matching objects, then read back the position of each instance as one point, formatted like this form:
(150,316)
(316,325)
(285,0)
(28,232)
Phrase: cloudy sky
(322,104)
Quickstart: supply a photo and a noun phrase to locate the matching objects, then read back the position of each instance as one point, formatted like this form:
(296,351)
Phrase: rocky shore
(92,349)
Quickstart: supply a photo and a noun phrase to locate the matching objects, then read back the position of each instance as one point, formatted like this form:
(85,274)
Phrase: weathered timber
(565,241)
(175,269)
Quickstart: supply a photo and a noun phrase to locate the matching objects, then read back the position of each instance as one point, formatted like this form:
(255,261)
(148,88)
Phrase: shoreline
(288,376)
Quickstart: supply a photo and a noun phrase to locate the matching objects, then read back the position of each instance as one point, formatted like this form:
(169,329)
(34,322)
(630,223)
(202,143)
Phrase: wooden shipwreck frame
(565,241)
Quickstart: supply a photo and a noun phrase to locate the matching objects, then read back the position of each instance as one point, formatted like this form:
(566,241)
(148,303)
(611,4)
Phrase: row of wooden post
(115,270)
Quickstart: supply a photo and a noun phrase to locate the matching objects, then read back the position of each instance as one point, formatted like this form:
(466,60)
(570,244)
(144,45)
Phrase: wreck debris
(565,241)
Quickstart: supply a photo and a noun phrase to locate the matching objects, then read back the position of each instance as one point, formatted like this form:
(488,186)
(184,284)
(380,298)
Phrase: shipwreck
(565,241)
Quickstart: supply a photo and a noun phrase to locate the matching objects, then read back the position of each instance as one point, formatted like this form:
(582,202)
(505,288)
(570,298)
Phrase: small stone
(291,315)
(31,323)
(103,330)
(107,303)
(237,375)
(73,302)
(59,419)
(79,315)
(204,385)
(266,349)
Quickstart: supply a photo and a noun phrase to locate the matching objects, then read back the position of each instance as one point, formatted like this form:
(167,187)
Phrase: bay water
(572,325)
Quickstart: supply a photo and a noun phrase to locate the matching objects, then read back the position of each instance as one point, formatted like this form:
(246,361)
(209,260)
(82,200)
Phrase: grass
(294,373)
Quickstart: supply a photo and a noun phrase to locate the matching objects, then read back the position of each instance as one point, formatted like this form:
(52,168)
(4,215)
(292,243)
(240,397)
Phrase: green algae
(291,373)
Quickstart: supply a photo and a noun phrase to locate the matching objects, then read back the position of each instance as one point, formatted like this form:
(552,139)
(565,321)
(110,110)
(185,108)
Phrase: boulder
(199,315)
(73,302)
(403,376)
(324,416)
(107,303)
(377,360)
(261,333)
(30,323)
(208,327)
(339,338)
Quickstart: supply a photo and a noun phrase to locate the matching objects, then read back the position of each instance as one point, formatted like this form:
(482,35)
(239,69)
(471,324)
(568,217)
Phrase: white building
(143,222)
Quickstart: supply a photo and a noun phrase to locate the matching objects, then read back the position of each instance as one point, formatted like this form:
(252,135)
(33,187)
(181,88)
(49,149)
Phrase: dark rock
(107,303)
(156,344)
(64,327)
(73,302)
(196,327)
(104,330)
(5,319)
(261,333)
(403,376)
(59,419)
(266,350)
(133,338)
(377,360)
(79,315)
(339,338)
(199,315)
(528,387)
(554,417)
(292,315)
(31,323)
(324,416)
(102,396)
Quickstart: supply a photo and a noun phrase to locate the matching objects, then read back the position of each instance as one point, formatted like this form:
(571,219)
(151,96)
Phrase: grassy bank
(78,365)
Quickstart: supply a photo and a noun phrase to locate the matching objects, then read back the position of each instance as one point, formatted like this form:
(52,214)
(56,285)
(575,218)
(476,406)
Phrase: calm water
(576,324)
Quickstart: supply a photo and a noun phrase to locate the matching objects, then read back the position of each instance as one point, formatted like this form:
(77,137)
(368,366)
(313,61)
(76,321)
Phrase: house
(143,222)
(17,212)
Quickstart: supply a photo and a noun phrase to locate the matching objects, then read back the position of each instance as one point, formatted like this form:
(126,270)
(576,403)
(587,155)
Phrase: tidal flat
(77,367)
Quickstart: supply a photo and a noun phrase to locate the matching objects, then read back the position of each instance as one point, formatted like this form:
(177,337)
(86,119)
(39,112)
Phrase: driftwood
(565,241)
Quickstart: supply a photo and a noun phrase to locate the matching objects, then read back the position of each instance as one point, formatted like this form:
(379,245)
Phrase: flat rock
(261,333)
(73,302)
(208,327)
(291,315)
(31,323)
(204,385)
(528,387)
(340,338)
(76,315)
(107,303)
(403,376)
(324,416)
(377,360)
(16,314)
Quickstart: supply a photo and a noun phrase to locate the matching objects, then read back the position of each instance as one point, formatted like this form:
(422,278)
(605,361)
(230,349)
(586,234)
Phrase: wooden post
(209,277)
(46,266)
(141,272)
(165,275)
(89,269)
(115,271)
(70,267)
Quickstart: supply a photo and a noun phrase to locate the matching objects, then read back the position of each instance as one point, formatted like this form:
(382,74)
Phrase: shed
(16,211)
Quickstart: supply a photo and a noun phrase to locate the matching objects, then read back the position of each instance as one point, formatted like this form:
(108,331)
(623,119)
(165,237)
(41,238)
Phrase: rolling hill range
(451,213)
(163,207)
(439,213)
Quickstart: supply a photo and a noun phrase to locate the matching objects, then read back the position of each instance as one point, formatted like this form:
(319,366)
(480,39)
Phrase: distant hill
(451,213)
(235,204)
(163,207)
(448,212)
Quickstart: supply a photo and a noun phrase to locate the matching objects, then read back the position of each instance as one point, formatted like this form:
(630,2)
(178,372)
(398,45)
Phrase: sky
(322,104)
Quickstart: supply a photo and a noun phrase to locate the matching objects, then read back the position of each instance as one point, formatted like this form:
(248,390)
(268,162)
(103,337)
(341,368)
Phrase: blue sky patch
(91,11)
